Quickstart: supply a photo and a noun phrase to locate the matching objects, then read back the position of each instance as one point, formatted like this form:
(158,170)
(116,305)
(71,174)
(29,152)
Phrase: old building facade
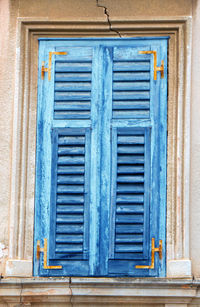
(100,153)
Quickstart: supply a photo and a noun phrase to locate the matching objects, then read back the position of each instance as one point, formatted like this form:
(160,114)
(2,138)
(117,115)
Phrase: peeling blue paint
(102,116)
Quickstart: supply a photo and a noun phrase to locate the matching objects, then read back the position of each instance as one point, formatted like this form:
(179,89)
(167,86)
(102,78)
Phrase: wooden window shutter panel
(136,175)
(101,157)
(65,98)
(69,196)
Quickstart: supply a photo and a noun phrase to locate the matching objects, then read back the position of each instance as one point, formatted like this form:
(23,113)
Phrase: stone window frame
(21,214)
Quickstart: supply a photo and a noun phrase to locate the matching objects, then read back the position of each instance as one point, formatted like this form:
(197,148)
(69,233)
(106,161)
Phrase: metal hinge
(156,68)
(48,69)
(153,250)
(44,250)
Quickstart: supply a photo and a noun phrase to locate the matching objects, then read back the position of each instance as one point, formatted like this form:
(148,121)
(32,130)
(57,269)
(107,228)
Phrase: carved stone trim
(99,292)
(24,123)
(19,268)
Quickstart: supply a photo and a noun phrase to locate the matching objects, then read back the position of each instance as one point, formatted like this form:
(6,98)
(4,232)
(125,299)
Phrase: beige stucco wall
(6,89)
(195,143)
(80,10)
(71,9)
(88,10)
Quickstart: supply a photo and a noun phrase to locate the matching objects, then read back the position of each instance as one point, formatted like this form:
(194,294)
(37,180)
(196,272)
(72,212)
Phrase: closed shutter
(136,137)
(130,189)
(70,195)
(63,167)
(101,157)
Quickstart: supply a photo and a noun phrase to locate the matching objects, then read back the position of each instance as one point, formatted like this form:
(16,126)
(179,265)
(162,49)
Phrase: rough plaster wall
(157,8)
(61,9)
(96,305)
(5,124)
(8,18)
(75,10)
(195,145)
(83,9)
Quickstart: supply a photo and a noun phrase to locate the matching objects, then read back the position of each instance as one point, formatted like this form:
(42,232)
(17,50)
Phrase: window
(101,157)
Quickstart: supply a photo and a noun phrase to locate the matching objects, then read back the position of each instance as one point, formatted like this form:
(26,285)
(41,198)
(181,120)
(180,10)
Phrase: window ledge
(100,290)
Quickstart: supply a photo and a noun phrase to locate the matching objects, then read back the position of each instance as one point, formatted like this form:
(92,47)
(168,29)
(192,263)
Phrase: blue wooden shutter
(130,216)
(63,160)
(69,194)
(130,192)
(138,137)
(101,157)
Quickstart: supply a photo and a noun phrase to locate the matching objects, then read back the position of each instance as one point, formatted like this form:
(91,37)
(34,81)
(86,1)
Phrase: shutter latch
(153,250)
(156,68)
(48,69)
(44,250)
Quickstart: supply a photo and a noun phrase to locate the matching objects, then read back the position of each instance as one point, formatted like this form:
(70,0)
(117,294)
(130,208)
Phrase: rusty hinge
(156,68)
(44,250)
(153,250)
(48,69)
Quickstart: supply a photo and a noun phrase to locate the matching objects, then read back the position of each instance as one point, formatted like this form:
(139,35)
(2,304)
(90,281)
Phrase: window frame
(158,104)
(24,119)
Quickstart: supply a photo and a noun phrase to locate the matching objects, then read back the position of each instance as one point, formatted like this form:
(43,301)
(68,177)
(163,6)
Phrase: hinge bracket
(48,69)
(44,250)
(156,68)
(153,250)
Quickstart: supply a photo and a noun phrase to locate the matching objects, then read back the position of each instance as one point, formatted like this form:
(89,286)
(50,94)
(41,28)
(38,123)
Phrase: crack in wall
(70,289)
(20,302)
(108,18)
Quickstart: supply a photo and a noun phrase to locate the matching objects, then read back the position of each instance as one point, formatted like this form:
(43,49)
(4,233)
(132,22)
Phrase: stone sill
(99,281)
(100,290)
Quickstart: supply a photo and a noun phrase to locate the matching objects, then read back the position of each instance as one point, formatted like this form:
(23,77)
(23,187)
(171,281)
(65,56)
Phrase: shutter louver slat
(130,76)
(70,180)
(69,239)
(70,209)
(130,209)
(72,229)
(63,170)
(74,67)
(72,86)
(73,76)
(70,189)
(136,65)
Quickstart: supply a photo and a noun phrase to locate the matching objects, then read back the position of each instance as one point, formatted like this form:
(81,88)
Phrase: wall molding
(24,126)
(100,292)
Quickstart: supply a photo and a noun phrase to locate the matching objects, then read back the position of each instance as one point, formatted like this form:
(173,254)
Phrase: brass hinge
(44,250)
(153,250)
(48,69)
(156,68)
